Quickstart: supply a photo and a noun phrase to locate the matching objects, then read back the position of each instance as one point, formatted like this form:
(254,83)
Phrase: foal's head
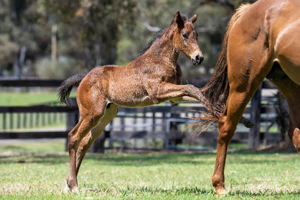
(185,38)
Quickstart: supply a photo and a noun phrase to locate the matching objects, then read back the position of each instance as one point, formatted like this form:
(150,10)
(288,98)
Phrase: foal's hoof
(72,190)
(221,191)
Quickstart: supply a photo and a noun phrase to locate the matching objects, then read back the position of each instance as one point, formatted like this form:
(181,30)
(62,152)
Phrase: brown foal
(262,40)
(152,78)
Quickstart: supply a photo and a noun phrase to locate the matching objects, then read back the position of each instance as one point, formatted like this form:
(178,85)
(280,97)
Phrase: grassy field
(25,98)
(29,171)
(145,176)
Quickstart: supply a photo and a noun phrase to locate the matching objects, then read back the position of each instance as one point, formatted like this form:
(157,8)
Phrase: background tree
(92,32)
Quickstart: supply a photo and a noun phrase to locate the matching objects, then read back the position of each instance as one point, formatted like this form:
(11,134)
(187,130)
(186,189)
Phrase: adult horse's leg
(110,112)
(291,91)
(286,49)
(91,112)
(245,74)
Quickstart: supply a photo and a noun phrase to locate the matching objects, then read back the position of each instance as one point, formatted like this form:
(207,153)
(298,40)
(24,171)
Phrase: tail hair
(66,87)
(217,89)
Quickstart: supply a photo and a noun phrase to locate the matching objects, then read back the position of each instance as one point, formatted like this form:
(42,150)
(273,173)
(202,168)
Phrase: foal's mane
(158,34)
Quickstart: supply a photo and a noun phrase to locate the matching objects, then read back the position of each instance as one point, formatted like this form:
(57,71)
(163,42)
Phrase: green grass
(148,176)
(35,147)
(24,98)
(28,98)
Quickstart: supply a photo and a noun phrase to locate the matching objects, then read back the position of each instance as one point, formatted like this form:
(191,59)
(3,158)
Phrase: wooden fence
(156,122)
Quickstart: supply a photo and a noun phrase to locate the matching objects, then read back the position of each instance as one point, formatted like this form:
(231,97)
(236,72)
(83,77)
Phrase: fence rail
(164,122)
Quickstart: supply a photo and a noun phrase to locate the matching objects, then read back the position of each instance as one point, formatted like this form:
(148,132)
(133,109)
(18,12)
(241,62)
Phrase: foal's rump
(124,86)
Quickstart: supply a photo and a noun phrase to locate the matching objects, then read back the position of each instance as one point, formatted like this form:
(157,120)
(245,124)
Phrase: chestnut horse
(152,78)
(262,40)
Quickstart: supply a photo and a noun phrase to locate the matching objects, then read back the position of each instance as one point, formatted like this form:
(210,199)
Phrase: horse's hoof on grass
(71,190)
(75,190)
(67,189)
(221,192)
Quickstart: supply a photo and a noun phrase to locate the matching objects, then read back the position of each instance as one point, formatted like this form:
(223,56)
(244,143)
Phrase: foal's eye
(185,36)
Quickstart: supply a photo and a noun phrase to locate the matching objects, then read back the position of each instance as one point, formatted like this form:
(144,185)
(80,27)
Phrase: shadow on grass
(135,190)
(190,191)
(153,159)
(198,158)
(265,193)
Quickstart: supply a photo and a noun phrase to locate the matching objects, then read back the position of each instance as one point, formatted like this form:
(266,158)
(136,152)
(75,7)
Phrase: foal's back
(129,85)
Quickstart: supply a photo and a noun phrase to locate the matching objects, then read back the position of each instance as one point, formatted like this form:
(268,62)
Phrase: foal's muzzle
(197,60)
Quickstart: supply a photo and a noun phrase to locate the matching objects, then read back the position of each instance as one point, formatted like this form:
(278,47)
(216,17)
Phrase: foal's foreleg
(179,93)
(110,112)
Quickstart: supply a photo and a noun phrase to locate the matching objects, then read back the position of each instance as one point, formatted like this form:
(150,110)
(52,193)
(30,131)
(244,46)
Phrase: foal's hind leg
(90,117)
(291,91)
(110,112)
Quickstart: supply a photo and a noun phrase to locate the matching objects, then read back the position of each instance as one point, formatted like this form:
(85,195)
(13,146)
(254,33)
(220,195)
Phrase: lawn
(28,98)
(147,176)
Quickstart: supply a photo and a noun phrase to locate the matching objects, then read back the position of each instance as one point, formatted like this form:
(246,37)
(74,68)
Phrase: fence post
(254,133)
(72,119)
(174,134)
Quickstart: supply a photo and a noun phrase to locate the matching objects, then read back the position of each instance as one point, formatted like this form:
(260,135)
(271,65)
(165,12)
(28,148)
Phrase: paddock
(133,127)
(187,175)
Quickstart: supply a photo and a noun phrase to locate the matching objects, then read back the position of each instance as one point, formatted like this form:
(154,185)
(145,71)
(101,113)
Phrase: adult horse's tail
(65,89)
(217,89)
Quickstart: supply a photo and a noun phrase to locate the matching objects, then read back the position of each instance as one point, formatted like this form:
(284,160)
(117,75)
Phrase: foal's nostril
(199,59)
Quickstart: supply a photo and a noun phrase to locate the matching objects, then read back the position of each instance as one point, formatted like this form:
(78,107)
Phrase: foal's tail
(65,89)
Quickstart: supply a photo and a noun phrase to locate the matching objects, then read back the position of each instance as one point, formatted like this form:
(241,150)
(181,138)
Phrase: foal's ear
(179,21)
(194,18)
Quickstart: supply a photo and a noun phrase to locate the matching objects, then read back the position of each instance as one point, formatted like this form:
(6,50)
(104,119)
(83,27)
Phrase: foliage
(59,69)
(92,32)
(94,25)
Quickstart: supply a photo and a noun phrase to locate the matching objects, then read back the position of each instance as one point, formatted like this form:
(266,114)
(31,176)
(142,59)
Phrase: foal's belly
(130,96)
(132,103)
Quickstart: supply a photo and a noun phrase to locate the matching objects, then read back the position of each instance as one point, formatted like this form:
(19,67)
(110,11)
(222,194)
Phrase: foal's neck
(163,47)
